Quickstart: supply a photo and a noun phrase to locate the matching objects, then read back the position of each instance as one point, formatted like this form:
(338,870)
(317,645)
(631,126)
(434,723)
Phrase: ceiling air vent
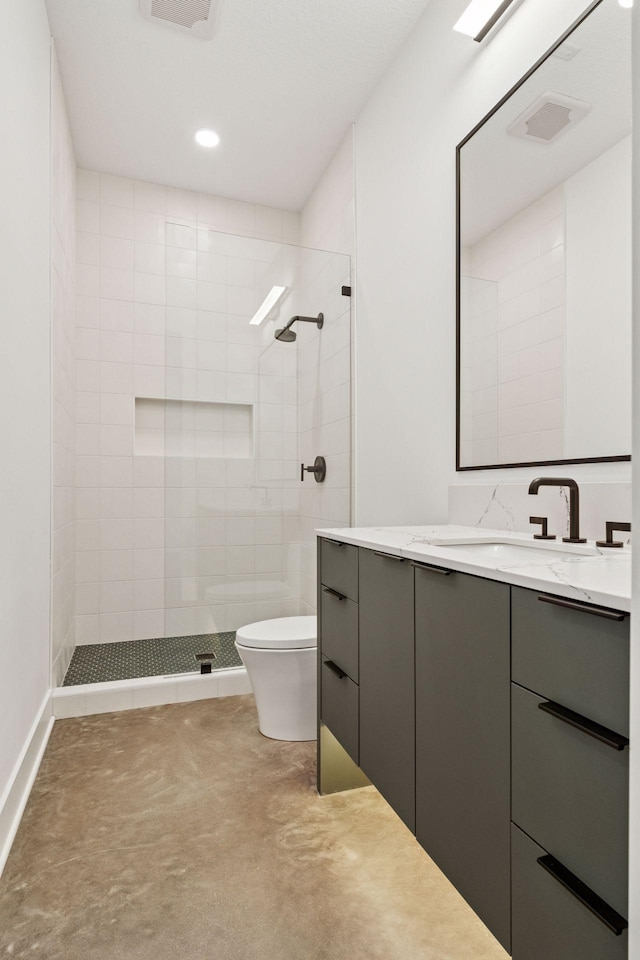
(549,117)
(195,17)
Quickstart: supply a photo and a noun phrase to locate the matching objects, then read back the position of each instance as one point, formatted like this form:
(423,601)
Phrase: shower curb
(86,699)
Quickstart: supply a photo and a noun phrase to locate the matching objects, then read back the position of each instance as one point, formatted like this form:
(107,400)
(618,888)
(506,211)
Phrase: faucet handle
(610,542)
(544,535)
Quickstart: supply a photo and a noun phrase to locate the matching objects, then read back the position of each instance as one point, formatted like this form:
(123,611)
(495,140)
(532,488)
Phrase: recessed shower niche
(193,428)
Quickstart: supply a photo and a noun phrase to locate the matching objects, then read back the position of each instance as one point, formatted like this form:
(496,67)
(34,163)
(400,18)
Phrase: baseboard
(14,799)
(83,700)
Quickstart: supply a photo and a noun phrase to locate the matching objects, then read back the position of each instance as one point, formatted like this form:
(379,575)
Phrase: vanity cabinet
(572,652)
(340,630)
(462,651)
(387,711)
(570,778)
(570,786)
(549,921)
(494,720)
(338,643)
(339,706)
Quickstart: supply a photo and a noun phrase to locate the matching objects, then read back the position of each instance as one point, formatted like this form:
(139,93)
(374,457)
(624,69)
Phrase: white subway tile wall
(188,530)
(513,321)
(63,269)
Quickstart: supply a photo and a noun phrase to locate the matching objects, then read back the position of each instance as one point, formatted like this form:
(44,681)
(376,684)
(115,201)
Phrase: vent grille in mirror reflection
(549,117)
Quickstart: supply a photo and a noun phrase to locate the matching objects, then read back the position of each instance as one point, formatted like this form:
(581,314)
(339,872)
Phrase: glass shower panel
(324,404)
(236,512)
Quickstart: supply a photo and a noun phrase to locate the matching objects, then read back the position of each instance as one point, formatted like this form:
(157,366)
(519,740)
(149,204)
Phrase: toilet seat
(283,633)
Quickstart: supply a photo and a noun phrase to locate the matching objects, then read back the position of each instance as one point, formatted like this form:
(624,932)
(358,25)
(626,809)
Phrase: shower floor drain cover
(205,656)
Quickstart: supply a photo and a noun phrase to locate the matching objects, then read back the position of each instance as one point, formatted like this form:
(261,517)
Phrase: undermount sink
(516,553)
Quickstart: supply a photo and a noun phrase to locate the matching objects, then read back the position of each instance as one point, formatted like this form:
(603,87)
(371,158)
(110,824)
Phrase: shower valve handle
(319,469)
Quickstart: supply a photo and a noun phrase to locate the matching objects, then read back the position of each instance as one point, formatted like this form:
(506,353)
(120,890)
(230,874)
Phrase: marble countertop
(581,572)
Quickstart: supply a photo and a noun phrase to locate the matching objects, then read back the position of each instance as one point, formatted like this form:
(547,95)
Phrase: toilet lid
(284,633)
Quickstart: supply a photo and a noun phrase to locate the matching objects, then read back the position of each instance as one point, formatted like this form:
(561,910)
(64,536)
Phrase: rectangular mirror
(544,260)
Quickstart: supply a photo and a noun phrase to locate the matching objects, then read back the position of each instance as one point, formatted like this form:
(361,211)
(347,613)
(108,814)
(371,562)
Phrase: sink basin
(513,553)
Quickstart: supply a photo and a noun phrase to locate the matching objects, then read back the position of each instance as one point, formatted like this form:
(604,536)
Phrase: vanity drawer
(575,656)
(548,920)
(339,618)
(339,567)
(570,793)
(339,707)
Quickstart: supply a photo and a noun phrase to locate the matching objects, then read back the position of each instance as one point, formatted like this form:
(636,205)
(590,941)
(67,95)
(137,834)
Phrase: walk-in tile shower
(192,426)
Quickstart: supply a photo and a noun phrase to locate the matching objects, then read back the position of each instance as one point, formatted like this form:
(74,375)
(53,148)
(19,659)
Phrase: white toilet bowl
(280,657)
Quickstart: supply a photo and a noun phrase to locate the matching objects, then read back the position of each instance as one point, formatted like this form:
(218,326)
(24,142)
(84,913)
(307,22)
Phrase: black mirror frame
(535,463)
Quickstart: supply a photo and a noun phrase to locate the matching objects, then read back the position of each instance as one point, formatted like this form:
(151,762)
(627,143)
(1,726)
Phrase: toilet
(280,657)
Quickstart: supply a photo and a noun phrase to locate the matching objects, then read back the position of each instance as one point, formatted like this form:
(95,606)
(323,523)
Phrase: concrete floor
(180,833)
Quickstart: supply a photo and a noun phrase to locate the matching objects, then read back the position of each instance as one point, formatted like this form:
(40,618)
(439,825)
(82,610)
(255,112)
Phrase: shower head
(287,335)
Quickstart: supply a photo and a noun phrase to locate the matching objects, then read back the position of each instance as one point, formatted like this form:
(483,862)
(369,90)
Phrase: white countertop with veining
(581,572)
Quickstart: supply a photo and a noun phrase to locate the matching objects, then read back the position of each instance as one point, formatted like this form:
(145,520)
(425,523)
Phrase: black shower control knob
(319,469)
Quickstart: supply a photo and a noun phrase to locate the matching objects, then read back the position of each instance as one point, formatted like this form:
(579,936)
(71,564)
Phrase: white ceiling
(502,174)
(280,82)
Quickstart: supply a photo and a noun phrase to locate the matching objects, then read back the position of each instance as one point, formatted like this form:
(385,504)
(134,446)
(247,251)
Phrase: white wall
(25,380)
(598,316)
(63,254)
(327,220)
(440,85)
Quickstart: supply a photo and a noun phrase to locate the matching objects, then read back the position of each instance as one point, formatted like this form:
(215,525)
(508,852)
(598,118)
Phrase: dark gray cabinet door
(462,737)
(339,706)
(387,734)
(340,630)
(549,921)
(339,567)
(574,657)
(570,792)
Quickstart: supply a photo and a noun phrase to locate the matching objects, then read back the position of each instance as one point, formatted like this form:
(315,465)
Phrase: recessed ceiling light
(480,16)
(207,138)
(269,302)
(626,3)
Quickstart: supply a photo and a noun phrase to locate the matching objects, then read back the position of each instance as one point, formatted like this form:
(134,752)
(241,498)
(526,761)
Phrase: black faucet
(574,503)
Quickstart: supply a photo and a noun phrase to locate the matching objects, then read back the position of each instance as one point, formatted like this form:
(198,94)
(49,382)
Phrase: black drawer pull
(335,543)
(585,895)
(334,593)
(432,569)
(603,734)
(340,674)
(586,608)
(388,556)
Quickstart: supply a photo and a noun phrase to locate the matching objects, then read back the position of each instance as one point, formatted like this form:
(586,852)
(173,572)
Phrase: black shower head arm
(319,322)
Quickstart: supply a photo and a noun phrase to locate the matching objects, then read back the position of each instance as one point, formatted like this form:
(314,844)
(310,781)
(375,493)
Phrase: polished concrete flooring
(180,833)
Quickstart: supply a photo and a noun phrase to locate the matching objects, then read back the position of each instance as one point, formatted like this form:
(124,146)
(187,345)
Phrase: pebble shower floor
(100,662)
